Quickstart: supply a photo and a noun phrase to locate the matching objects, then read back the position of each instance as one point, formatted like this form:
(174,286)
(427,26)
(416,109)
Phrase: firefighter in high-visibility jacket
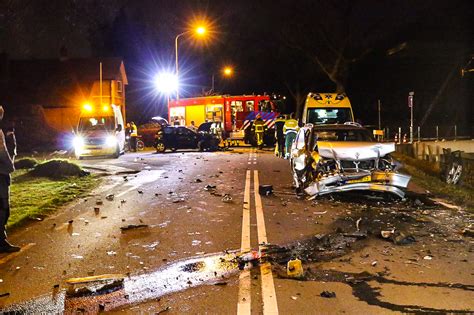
(290,128)
(259,130)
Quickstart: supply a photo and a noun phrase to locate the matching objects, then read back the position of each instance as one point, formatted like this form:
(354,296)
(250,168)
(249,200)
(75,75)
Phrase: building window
(119,86)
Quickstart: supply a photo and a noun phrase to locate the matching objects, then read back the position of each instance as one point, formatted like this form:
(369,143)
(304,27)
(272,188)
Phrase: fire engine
(235,113)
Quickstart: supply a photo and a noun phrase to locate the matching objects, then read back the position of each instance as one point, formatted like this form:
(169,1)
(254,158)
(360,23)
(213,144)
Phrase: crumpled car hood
(344,150)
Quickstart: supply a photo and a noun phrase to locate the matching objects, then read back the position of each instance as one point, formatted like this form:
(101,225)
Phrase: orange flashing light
(87,107)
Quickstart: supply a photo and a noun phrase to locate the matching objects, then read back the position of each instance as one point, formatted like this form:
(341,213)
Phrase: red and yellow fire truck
(235,113)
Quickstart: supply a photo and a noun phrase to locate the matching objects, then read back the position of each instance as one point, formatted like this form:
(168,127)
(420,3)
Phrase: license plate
(360,180)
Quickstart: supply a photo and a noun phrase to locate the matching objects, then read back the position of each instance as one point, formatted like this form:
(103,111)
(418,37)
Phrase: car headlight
(110,141)
(78,142)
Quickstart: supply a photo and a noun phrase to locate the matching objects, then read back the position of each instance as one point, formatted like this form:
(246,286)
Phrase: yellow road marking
(13,255)
(244,303)
(270,305)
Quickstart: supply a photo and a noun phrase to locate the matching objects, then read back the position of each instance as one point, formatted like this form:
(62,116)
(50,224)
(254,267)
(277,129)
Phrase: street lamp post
(410,104)
(199,31)
(176,61)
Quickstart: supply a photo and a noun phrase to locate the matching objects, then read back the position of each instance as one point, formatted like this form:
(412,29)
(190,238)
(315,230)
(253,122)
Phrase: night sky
(369,49)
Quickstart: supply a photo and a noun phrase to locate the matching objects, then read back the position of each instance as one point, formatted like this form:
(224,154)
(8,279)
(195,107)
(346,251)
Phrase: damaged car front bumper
(375,181)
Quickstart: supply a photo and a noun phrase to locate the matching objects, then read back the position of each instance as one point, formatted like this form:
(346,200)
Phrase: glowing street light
(199,31)
(228,71)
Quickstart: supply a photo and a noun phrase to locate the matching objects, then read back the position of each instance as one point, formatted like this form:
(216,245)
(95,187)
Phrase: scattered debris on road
(328,294)
(265,190)
(133,226)
(227,198)
(294,269)
(163,310)
(252,257)
(110,197)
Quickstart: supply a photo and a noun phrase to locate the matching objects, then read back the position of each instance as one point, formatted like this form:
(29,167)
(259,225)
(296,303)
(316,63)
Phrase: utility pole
(410,104)
(380,122)
(100,82)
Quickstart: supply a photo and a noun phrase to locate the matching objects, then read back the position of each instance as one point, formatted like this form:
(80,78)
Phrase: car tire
(160,147)
(200,145)
(117,153)
(140,145)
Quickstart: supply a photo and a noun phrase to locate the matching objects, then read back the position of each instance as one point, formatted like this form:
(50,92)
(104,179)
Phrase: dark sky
(373,49)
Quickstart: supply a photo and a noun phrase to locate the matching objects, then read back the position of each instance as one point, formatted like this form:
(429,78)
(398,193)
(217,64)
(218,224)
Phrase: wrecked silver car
(335,158)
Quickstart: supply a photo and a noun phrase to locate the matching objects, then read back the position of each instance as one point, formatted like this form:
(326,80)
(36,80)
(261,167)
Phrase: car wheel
(160,147)
(117,153)
(140,145)
(200,145)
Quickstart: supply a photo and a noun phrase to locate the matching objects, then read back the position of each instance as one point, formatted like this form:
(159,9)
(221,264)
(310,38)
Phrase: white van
(100,132)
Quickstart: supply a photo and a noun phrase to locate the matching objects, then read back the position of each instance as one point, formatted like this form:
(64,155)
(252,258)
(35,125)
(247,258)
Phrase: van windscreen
(322,116)
(97,123)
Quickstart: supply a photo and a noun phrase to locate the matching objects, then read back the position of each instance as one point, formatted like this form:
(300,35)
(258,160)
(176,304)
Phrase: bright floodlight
(166,83)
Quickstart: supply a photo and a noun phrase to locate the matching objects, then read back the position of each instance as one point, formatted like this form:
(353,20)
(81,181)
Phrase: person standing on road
(133,137)
(6,168)
(193,126)
(128,132)
(279,136)
(290,129)
(259,129)
(10,141)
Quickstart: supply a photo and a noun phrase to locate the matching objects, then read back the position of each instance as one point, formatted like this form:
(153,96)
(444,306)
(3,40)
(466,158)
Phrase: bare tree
(335,34)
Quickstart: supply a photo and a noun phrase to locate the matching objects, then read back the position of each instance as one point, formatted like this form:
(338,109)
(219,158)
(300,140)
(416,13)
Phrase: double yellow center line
(270,305)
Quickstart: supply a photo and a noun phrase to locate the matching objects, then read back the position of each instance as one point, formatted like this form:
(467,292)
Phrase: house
(60,87)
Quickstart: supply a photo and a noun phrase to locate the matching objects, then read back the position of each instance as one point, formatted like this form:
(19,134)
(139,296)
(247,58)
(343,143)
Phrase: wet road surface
(173,258)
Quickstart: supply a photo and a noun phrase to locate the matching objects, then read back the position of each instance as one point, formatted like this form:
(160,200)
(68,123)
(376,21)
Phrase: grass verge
(35,197)
(426,176)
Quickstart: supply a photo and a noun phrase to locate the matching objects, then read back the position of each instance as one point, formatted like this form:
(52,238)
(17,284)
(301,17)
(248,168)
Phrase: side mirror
(119,128)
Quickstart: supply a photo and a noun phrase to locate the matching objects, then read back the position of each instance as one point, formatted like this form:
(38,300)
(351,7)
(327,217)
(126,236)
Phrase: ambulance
(100,132)
(327,108)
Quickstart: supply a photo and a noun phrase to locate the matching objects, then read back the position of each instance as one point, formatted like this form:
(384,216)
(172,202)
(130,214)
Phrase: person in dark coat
(6,168)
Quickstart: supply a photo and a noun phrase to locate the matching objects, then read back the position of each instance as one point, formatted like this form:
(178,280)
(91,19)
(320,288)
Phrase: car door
(191,138)
(299,152)
(187,139)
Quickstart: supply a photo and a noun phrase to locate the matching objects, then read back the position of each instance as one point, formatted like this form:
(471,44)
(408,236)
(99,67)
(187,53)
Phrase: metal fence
(401,134)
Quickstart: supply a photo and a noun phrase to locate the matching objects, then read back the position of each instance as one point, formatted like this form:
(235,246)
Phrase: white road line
(128,190)
(270,305)
(244,303)
(15,254)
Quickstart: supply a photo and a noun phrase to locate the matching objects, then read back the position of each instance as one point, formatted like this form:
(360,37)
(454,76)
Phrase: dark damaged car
(179,137)
(336,158)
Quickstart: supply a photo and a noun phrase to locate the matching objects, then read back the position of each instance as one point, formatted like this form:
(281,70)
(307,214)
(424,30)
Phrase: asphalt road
(182,259)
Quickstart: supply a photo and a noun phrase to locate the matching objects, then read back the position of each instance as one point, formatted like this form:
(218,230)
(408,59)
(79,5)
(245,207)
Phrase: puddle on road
(175,277)
(144,177)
